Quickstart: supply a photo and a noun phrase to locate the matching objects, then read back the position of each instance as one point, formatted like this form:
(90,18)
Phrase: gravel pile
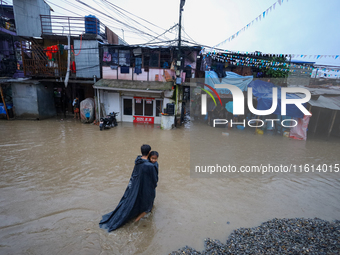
(277,236)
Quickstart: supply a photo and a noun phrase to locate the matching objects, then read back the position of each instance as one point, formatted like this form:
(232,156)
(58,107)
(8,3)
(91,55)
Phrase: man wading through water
(139,195)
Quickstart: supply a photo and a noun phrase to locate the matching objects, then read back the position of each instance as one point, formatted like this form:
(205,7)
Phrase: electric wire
(117,7)
(114,18)
(133,14)
(124,15)
(101,18)
(164,32)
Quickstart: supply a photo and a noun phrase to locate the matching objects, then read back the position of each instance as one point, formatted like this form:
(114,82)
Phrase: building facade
(139,81)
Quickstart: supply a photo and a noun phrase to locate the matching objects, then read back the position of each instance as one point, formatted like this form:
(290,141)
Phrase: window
(148,107)
(138,106)
(127,106)
(154,59)
(146,60)
(165,59)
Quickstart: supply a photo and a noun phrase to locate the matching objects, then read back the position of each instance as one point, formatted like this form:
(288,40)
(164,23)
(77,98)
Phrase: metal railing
(42,68)
(73,26)
(36,63)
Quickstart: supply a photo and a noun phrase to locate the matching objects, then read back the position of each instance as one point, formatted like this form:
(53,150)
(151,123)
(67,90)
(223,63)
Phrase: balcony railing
(73,26)
(36,63)
(41,68)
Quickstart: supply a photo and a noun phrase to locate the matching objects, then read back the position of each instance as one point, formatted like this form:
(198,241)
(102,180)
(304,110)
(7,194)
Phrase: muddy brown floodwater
(59,177)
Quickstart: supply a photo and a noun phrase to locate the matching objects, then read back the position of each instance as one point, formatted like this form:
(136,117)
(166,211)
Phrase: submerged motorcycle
(109,121)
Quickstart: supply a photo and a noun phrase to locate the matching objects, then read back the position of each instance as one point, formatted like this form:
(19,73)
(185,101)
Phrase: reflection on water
(60,177)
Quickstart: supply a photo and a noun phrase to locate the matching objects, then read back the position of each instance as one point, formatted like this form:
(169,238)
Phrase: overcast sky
(300,27)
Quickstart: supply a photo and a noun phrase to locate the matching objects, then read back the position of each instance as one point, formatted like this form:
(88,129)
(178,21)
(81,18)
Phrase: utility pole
(180,27)
(179,55)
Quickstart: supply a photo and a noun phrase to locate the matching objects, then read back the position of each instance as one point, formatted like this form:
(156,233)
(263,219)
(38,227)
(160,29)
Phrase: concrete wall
(111,102)
(46,104)
(32,100)
(27,17)
(25,100)
(112,74)
(87,62)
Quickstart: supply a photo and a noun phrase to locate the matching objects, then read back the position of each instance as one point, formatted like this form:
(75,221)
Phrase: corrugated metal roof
(323,97)
(324,91)
(332,103)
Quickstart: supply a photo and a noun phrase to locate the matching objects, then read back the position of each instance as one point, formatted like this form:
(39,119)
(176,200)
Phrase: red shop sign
(138,100)
(150,98)
(142,119)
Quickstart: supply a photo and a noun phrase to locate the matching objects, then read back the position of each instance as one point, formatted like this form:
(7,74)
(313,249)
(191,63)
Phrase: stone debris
(277,236)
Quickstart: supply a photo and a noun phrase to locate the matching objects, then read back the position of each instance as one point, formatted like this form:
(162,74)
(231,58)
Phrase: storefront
(142,109)
(138,102)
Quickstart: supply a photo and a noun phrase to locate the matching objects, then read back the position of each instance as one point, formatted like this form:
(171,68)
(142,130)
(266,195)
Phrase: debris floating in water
(277,236)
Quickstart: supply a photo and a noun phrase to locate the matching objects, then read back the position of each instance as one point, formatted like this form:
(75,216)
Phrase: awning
(133,86)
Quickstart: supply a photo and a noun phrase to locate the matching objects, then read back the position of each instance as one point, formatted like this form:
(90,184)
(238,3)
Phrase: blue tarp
(229,106)
(263,91)
(211,78)
(2,107)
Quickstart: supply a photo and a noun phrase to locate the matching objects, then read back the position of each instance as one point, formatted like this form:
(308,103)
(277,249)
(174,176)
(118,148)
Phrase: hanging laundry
(165,65)
(48,52)
(106,57)
(172,67)
(54,48)
(73,67)
(61,48)
(124,69)
(138,65)
(51,49)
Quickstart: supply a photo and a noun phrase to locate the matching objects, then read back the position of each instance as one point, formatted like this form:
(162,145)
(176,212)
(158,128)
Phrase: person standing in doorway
(76,108)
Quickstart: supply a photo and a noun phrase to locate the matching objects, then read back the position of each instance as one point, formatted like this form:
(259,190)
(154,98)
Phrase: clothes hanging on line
(124,69)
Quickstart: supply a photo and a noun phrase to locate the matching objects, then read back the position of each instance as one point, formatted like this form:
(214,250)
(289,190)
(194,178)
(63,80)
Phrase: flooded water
(59,177)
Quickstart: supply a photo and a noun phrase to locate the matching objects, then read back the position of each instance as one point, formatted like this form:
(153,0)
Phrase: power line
(63,8)
(105,19)
(117,7)
(135,31)
(114,18)
(124,15)
(132,14)
(188,35)
(71,11)
(164,32)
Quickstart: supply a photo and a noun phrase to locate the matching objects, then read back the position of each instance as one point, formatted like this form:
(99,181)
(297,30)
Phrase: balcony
(73,26)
